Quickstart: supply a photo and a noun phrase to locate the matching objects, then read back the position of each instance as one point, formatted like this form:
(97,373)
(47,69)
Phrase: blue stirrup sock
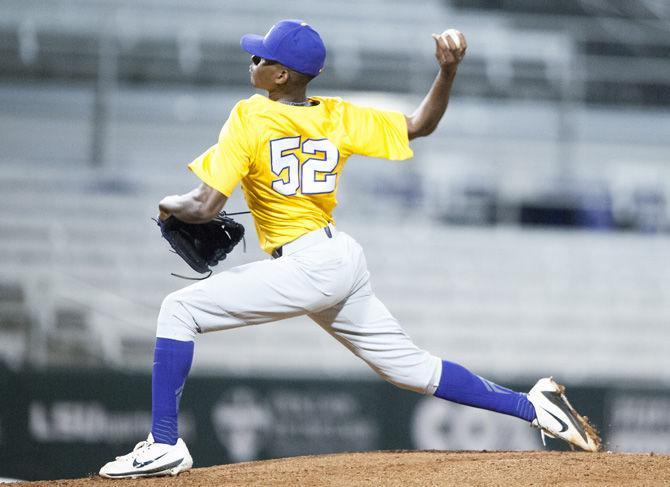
(172,362)
(458,384)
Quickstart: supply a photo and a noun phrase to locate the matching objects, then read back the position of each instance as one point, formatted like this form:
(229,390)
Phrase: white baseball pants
(322,277)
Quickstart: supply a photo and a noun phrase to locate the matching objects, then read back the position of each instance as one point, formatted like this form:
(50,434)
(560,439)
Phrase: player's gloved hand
(202,245)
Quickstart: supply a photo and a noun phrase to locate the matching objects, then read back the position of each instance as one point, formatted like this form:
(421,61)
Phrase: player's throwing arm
(450,48)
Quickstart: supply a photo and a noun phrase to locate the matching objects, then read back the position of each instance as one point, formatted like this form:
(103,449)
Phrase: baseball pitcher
(287,151)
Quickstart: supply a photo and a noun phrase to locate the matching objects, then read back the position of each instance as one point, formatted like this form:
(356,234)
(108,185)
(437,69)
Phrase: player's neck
(289,96)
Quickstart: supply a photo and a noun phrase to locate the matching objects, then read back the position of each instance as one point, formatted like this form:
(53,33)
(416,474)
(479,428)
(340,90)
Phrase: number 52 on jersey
(314,176)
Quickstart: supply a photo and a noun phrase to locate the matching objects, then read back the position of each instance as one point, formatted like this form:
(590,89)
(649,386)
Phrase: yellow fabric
(289,173)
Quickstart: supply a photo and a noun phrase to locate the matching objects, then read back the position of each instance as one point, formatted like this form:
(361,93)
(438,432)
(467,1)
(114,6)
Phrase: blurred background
(529,236)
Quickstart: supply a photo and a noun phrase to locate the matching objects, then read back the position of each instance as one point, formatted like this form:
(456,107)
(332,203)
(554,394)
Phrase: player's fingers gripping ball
(202,245)
(450,47)
(454,35)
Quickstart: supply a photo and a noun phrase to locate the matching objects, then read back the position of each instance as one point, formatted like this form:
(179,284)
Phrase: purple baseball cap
(292,43)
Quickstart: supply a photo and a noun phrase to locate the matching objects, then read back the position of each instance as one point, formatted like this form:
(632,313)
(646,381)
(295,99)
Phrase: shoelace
(142,444)
(544,435)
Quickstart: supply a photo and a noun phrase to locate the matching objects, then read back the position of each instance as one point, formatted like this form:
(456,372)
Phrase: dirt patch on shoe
(419,468)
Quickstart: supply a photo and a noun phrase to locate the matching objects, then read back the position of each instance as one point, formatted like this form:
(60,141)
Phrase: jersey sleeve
(376,133)
(224,164)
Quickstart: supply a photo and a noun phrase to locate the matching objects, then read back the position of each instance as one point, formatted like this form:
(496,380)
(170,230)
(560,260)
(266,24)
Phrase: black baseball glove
(202,245)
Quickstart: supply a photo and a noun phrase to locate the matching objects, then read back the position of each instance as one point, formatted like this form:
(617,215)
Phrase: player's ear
(282,77)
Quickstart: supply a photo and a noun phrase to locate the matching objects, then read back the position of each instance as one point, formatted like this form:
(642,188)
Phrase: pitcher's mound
(420,468)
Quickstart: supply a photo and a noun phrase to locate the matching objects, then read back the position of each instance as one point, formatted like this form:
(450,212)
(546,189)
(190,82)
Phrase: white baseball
(453,33)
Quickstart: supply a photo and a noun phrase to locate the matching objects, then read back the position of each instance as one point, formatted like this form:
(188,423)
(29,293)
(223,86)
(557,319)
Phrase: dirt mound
(420,468)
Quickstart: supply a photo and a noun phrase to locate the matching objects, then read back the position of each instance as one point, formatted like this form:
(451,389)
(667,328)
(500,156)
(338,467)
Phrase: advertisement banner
(638,421)
(65,424)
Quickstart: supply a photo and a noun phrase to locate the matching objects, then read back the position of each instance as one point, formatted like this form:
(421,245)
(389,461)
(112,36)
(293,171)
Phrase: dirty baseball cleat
(150,459)
(557,418)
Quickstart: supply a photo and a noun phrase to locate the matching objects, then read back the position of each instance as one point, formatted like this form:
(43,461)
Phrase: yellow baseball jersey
(288,159)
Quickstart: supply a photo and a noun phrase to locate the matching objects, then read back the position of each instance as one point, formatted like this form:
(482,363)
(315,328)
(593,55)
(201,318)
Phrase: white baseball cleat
(150,459)
(557,418)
